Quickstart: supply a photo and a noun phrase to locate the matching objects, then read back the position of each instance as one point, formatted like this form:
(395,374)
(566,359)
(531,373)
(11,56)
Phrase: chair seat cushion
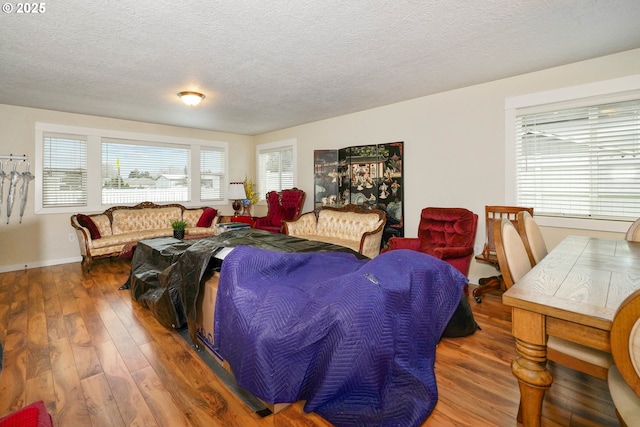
(625,400)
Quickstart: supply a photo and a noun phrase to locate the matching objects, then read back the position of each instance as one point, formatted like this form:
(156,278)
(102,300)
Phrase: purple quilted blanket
(354,338)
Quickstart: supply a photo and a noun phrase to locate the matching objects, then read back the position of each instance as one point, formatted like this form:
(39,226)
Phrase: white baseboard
(16,267)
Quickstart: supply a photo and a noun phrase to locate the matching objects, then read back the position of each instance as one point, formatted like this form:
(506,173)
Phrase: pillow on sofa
(207,217)
(86,221)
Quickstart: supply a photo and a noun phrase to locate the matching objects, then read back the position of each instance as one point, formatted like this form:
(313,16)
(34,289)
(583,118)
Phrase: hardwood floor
(97,359)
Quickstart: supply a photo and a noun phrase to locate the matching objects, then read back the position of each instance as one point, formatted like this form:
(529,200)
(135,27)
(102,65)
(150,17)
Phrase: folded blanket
(354,338)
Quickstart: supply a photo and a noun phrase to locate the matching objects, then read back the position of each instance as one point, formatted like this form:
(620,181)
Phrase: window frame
(602,92)
(270,147)
(94,138)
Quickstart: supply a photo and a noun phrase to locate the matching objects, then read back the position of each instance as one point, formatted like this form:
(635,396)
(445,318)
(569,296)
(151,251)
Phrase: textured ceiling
(267,65)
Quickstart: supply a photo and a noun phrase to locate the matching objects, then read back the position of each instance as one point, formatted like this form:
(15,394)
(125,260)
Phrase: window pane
(276,168)
(133,172)
(581,162)
(64,171)
(211,174)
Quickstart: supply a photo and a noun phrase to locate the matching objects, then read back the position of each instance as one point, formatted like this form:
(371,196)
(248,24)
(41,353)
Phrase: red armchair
(445,233)
(286,205)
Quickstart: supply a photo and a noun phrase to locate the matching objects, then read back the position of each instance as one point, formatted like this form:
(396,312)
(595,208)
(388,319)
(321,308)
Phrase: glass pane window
(64,171)
(211,174)
(134,171)
(580,162)
(276,169)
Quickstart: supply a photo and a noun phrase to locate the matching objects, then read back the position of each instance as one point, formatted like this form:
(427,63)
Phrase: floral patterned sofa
(350,226)
(108,233)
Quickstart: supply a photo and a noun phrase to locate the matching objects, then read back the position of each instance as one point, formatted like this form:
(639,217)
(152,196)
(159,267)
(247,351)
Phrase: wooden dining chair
(624,375)
(531,237)
(633,233)
(494,214)
(514,264)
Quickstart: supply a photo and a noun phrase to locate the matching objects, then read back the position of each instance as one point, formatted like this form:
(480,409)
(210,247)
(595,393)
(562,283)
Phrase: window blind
(211,174)
(137,171)
(580,162)
(64,171)
(276,169)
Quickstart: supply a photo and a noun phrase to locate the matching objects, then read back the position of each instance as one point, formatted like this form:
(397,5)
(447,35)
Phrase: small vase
(246,210)
(178,234)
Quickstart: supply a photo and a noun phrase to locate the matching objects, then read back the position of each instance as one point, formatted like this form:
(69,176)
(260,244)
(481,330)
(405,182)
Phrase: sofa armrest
(452,252)
(83,235)
(371,241)
(306,224)
(412,243)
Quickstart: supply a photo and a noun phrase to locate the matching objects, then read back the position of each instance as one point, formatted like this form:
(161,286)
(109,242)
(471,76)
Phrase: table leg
(530,366)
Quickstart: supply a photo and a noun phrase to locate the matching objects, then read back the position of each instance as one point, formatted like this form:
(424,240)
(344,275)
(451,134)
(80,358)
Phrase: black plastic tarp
(166,273)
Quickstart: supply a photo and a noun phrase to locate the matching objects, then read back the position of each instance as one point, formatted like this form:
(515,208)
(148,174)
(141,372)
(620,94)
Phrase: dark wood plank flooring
(98,359)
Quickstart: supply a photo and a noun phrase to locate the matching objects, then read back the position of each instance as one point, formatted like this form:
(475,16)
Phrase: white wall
(453,141)
(44,239)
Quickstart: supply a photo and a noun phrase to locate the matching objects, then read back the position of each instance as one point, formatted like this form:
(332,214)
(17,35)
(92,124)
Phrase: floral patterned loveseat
(108,233)
(350,226)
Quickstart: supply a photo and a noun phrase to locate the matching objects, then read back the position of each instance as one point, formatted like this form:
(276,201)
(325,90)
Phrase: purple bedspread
(354,338)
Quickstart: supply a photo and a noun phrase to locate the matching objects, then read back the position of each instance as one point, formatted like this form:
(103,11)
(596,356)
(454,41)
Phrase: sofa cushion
(132,220)
(87,222)
(133,236)
(351,244)
(206,219)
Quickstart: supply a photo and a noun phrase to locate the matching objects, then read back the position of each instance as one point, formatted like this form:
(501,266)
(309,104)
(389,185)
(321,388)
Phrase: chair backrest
(445,227)
(292,200)
(495,214)
(531,237)
(625,341)
(512,255)
(633,233)
(284,205)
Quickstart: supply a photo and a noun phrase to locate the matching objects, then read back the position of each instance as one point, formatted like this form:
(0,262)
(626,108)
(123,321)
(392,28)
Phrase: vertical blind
(64,171)
(276,169)
(581,162)
(211,174)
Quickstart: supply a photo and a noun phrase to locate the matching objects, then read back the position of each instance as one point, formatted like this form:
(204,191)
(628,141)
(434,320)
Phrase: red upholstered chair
(33,415)
(445,233)
(283,206)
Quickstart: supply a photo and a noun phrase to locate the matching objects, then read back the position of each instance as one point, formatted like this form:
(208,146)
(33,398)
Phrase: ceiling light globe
(191,98)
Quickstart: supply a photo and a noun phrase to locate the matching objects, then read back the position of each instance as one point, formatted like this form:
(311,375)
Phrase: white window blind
(211,174)
(137,171)
(581,162)
(276,169)
(64,170)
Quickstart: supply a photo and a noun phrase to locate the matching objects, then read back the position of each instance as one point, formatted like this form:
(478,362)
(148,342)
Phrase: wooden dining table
(573,293)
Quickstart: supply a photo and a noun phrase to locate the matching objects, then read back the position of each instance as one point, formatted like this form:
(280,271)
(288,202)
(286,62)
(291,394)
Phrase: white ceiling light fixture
(191,98)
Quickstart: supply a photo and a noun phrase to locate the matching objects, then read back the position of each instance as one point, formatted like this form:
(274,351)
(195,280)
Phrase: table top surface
(583,280)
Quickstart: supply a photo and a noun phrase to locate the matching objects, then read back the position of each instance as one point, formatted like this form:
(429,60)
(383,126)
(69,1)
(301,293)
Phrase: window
(134,172)
(276,166)
(573,154)
(86,170)
(211,174)
(580,162)
(64,170)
